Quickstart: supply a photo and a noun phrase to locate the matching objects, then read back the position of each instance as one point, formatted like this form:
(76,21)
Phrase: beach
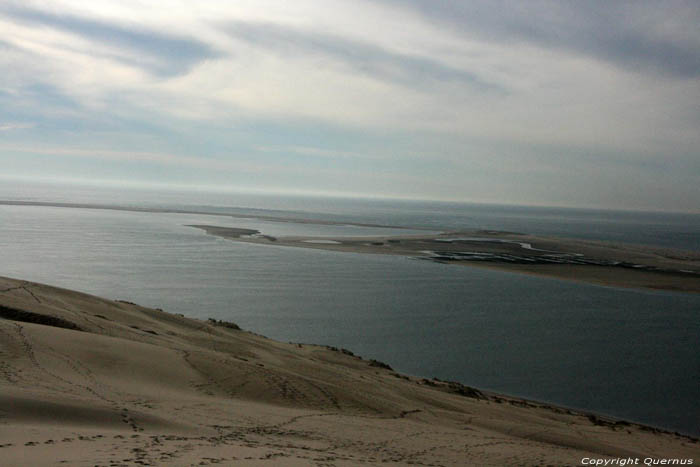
(596,262)
(90,381)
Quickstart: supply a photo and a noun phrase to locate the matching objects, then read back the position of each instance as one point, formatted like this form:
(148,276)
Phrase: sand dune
(89,381)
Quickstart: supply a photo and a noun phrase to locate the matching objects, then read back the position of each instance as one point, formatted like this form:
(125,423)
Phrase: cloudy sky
(572,103)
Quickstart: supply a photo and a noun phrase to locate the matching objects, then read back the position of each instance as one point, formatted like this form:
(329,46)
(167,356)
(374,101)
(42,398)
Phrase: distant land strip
(597,262)
(111,207)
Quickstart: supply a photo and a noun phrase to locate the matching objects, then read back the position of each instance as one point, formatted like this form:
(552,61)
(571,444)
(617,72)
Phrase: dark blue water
(628,353)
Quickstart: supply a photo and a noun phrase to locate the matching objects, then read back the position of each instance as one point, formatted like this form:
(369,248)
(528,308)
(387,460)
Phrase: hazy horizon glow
(583,104)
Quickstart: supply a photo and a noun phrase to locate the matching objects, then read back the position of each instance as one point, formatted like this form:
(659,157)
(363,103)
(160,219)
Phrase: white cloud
(362,66)
(9,126)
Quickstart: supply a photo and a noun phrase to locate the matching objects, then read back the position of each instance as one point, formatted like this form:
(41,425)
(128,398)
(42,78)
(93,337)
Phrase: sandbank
(597,262)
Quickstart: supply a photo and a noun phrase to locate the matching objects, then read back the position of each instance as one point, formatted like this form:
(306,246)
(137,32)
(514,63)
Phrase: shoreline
(661,268)
(586,261)
(80,372)
(109,207)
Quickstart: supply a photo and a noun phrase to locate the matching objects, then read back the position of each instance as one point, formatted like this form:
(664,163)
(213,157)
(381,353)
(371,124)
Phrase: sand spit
(89,381)
(604,263)
(203,212)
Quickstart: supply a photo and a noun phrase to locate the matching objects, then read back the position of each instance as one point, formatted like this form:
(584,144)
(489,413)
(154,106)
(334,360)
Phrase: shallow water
(673,230)
(628,353)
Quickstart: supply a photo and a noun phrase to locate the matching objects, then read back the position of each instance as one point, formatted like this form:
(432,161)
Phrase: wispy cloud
(161,53)
(637,35)
(8,126)
(316,152)
(129,156)
(356,56)
(497,100)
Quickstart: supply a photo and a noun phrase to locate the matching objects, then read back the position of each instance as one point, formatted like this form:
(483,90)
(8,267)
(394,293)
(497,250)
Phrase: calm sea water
(629,353)
(671,230)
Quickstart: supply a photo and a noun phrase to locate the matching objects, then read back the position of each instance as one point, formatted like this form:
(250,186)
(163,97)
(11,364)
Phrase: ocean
(628,353)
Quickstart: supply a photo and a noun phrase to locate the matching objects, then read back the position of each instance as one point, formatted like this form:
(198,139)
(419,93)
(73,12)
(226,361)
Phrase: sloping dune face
(89,381)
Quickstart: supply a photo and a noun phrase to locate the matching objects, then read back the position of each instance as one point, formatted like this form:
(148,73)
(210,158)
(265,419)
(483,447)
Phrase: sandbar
(597,262)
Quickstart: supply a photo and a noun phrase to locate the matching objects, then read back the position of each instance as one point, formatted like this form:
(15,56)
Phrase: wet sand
(90,381)
(603,263)
(562,258)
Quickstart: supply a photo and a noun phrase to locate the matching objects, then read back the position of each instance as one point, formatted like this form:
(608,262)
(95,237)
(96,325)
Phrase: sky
(559,103)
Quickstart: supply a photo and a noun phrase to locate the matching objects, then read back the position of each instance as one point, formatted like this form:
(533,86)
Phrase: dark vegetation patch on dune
(379,364)
(224,324)
(15,314)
